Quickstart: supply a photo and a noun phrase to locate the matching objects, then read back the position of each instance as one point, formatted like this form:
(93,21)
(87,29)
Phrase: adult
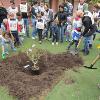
(12,9)
(89,30)
(68,8)
(83,6)
(49,17)
(61,16)
(34,11)
(3,15)
(24,8)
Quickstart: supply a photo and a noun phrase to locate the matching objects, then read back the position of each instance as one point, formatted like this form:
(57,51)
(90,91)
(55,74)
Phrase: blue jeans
(48,27)
(86,43)
(61,33)
(3,28)
(34,33)
(26,24)
(3,43)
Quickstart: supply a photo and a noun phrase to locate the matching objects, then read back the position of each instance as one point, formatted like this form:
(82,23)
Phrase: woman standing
(3,14)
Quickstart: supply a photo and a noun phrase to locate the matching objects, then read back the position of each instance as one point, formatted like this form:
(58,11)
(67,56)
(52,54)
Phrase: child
(55,31)
(77,24)
(5,40)
(21,29)
(68,29)
(40,26)
(12,27)
(45,28)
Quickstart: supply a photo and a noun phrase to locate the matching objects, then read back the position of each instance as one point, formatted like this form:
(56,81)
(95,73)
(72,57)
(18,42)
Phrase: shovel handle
(96,59)
(79,41)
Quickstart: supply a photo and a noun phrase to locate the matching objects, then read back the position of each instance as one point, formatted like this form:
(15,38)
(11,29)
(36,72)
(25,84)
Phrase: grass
(86,80)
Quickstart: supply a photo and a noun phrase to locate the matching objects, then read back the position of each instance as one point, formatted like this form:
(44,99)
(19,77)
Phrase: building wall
(53,3)
(6,3)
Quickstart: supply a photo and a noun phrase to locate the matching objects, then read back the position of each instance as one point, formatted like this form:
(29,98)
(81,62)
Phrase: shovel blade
(73,52)
(89,67)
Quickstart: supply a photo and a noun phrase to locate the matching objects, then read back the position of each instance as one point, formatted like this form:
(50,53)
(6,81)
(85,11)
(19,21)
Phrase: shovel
(93,62)
(75,52)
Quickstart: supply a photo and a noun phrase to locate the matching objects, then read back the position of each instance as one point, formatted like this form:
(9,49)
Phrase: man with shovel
(89,29)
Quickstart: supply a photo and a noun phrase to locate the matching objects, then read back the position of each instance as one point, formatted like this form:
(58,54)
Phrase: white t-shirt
(13,24)
(13,10)
(80,7)
(40,24)
(23,8)
(21,22)
(41,9)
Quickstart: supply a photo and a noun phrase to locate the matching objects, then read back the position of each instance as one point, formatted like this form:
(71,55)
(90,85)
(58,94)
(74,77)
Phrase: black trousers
(55,37)
(48,27)
(40,34)
(16,38)
(73,42)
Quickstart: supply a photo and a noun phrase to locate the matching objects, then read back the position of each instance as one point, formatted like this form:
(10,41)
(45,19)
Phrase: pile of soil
(22,84)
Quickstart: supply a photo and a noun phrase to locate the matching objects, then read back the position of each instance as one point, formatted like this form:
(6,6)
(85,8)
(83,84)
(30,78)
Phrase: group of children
(12,33)
(14,30)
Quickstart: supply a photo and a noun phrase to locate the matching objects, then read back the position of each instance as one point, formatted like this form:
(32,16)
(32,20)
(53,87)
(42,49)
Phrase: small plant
(34,54)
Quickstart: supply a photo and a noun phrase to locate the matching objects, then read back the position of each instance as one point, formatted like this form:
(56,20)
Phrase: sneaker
(3,56)
(90,46)
(45,38)
(40,42)
(50,39)
(83,50)
(36,37)
(56,43)
(6,53)
(86,53)
(14,49)
(52,43)
(33,38)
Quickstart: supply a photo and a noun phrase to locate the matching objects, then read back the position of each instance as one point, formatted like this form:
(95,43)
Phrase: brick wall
(6,3)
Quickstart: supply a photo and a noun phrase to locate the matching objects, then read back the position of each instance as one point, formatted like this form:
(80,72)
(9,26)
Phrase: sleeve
(51,15)
(86,24)
(3,41)
(85,7)
(0,25)
(55,16)
(33,12)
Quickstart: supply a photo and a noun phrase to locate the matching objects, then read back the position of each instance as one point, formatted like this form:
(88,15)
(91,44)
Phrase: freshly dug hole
(23,84)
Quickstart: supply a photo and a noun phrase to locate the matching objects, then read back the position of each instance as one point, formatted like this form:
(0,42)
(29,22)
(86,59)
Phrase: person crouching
(12,27)
(76,32)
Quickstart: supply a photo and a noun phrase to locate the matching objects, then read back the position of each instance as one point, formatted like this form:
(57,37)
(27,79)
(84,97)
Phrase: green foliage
(95,1)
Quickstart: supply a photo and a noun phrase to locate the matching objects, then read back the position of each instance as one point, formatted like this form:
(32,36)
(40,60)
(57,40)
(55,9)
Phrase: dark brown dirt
(22,84)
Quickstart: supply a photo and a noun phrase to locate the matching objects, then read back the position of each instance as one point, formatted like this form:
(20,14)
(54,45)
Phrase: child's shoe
(40,42)
(56,43)
(86,53)
(14,49)
(7,53)
(52,43)
(33,38)
(3,56)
